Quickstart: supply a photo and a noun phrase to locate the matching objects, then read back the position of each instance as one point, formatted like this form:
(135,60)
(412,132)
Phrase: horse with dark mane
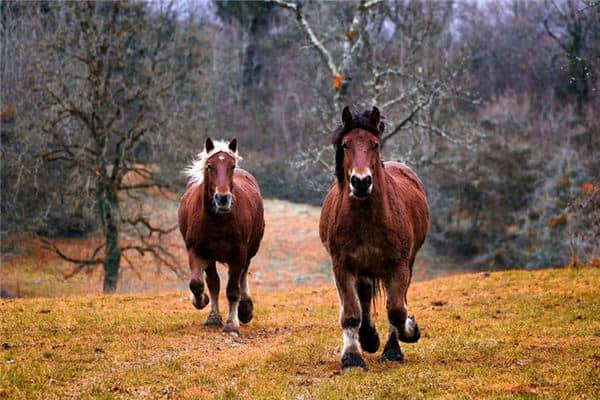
(221,219)
(373,222)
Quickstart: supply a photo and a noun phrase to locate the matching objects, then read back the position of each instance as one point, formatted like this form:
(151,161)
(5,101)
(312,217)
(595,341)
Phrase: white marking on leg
(244,287)
(232,319)
(351,343)
(409,327)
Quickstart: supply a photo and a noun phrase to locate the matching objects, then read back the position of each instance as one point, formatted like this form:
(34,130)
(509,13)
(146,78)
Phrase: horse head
(357,150)
(218,173)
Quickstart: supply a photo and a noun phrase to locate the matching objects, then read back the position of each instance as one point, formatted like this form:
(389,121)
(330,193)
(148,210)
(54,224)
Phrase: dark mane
(360,120)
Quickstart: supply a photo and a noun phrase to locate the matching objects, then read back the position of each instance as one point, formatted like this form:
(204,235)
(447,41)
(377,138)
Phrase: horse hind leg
(214,284)
(367,333)
(246,307)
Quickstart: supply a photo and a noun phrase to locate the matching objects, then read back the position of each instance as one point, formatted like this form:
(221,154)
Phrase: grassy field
(511,334)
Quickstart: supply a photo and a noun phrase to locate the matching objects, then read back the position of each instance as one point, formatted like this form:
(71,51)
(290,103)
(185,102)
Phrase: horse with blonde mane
(221,220)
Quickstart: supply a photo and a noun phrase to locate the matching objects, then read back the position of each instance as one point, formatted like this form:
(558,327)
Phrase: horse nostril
(222,199)
(361,183)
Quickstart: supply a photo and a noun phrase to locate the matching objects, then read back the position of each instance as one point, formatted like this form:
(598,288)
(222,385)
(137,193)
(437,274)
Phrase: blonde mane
(196,171)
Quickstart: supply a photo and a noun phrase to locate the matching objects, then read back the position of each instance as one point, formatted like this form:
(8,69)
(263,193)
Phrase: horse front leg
(367,334)
(197,267)
(246,307)
(350,317)
(402,326)
(214,285)
(232,325)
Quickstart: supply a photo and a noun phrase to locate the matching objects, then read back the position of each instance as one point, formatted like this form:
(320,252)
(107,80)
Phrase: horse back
(411,192)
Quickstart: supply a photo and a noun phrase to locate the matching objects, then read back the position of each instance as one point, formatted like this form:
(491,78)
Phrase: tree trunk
(109,210)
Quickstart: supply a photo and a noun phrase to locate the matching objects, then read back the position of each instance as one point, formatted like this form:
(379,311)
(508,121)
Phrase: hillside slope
(505,334)
(33,271)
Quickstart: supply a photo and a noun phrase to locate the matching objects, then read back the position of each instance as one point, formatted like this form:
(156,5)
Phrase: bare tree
(391,54)
(572,26)
(104,79)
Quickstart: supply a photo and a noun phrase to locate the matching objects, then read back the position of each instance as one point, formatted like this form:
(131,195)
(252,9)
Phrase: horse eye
(375,145)
(345,146)
(209,168)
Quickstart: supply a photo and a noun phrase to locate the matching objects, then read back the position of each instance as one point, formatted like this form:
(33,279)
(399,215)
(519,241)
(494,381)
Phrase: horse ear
(233,145)
(375,116)
(346,115)
(208,145)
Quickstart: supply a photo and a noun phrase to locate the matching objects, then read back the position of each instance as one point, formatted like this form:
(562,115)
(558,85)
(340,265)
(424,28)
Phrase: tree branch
(323,52)
(411,115)
(88,262)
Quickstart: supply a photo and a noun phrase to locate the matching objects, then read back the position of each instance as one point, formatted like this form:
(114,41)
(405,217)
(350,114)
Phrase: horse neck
(205,200)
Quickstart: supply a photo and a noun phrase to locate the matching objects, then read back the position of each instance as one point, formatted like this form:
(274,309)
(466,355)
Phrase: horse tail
(378,291)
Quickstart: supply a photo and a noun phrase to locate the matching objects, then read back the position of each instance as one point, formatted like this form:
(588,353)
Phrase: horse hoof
(392,355)
(353,360)
(369,339)
(213,320)
(204,300)
(245,309)
(231,329)
(411,332)
(392,350)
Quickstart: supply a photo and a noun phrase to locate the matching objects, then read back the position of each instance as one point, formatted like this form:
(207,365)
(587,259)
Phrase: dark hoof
(204,300)
(231,329)
(199,298)
(213,320)
(390,354)
(414,333)
(245,309)
(369,339)
(196,287)
(353,360)
(392,351)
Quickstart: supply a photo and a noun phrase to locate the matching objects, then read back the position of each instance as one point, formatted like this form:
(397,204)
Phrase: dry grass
(500,335)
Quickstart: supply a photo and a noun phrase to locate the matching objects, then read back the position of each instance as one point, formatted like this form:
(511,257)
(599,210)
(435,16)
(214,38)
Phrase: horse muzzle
(361,187)
(222,202)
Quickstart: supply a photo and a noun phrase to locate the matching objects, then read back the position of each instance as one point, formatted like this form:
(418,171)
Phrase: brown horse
(373,222)
(221,219)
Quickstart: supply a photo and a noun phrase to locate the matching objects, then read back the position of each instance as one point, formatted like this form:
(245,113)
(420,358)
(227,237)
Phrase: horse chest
(218,242)
(366,254)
